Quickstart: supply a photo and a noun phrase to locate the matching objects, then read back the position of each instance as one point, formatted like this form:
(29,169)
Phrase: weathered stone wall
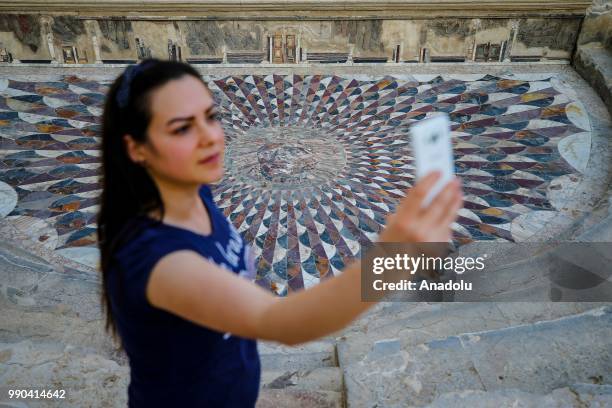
(209,37)
(33,37)
(593,57)
(553,38)
(116,39)
(597,26)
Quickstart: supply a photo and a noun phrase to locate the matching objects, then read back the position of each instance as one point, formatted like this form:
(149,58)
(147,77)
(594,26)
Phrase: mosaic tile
(8,199)
(576,149)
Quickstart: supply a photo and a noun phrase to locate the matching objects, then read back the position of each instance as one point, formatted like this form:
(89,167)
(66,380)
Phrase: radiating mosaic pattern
(314,163)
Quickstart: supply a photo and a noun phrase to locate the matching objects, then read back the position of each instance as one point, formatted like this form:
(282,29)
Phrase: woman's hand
(412,222)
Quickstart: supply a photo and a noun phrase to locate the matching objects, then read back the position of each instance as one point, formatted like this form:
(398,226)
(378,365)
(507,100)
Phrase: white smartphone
(432,151)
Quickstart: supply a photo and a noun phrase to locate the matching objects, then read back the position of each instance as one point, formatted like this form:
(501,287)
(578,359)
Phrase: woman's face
(186,143)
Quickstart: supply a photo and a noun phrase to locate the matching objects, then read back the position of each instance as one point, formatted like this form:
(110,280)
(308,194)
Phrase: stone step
(576,395)
(89,378)
(305,376)
(318,379)
(40,301)
(600,232)
(299,399)
(535,358)
(379,311)
(596,225)
(81,371)
(593,62)
(416,323)
(59,327)
(308,356)
(319,387)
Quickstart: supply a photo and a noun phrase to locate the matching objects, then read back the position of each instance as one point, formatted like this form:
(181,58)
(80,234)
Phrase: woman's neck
(182,203)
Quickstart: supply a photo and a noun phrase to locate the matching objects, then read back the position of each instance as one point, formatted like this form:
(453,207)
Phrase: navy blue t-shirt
(174,362)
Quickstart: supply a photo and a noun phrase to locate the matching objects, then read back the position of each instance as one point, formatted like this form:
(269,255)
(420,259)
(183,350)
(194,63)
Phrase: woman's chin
(213,177)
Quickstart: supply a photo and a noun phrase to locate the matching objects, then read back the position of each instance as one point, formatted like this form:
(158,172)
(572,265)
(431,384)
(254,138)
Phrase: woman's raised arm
(190,286)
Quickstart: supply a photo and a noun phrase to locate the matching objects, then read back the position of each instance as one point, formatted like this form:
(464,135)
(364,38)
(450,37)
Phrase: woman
(172,262)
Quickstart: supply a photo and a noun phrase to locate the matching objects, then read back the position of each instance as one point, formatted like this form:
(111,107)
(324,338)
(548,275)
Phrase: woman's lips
(211,159)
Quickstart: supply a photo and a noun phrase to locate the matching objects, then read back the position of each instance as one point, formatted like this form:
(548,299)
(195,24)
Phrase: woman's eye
(181,130)
(214,116)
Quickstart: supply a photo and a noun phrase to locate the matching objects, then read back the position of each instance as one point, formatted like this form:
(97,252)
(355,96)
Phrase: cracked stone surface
(538,357)
(418,323)
(577,395)
(87,377)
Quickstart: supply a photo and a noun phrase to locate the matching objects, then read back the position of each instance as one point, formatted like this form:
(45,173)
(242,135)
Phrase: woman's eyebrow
(179,119)
(171,121)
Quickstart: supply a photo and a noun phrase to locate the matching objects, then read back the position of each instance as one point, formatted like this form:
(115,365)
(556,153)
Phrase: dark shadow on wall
(26,28)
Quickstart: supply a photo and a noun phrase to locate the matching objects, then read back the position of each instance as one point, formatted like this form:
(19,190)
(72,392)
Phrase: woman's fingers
(412,203)
(452,213)
(432,214)
(427,182)
(412,222)
(444,197)
(438,216)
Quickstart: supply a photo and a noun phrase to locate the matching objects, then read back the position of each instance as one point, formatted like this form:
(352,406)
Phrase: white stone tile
(560,191)
(8,199)
(309,280)
(55,102)
(524,226)
(577,114)
(576,149)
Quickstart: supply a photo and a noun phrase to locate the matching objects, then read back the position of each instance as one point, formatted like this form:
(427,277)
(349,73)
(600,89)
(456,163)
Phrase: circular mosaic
(285,157)
(314,163)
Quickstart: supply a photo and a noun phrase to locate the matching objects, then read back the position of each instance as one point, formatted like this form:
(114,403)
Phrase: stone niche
(67,39)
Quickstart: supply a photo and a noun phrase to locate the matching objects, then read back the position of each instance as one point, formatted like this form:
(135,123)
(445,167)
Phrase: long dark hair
(127,189)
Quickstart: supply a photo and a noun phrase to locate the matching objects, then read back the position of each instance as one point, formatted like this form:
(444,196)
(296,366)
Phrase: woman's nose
(209,134)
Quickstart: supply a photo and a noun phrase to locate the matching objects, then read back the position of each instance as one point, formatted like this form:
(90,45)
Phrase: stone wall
(50,37)
(597,25)
(593,57)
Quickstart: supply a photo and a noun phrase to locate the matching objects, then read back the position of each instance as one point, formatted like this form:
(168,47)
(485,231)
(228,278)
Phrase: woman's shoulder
(138,228)
(145,244)
(144,236)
